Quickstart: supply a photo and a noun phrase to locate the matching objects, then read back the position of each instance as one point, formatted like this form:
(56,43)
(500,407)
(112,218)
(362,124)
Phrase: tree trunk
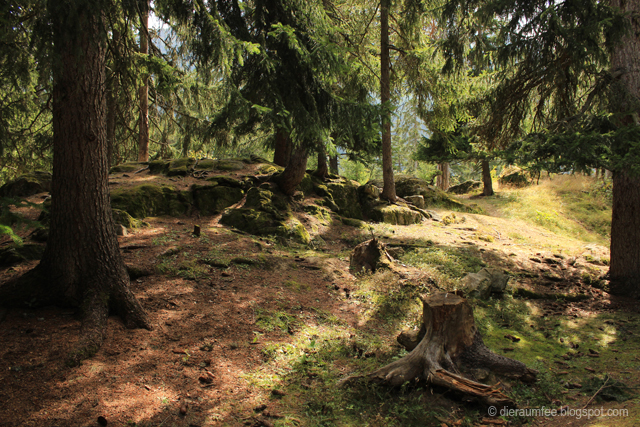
(283,148)
(333,164)
(293,174)
(442,181)
(624,269)
(143,92)
(447,342)
(389,186)
(486,179)
(322,171)
(82,265)
(112,97)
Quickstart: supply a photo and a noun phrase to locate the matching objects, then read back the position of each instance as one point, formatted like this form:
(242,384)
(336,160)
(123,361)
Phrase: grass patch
(566,205)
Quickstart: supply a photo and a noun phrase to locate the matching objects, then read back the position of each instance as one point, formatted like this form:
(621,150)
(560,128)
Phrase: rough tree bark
(333,164)
(82,265)
(624,269)
(487,189)
(389,186)
(143,91)
(283,148)
(112,97)
(322,171)
(292,175)
(442,180)
(448,342)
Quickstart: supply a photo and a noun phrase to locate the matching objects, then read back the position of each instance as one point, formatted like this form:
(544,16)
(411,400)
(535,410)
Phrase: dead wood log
(447,343)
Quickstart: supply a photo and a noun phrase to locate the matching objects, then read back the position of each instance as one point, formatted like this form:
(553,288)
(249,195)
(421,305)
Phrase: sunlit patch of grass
(567,205)
(450,261)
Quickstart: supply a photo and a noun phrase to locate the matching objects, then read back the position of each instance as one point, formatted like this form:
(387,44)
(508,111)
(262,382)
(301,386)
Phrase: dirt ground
(190,369)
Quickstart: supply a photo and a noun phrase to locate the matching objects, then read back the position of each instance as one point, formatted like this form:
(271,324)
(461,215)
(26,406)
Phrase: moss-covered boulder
(322,214)
(343,194)
(128,167)
(123,218)
(230,165)
(515,177)
(181,167)
(266,212)
(159,167)
(151,200)
(464,187)
(225,181)
(27,185)
(213,199)
(395,214)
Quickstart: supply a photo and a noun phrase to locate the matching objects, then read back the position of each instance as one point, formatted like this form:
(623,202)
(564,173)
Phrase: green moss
(180,167)
(322,214)
(224,180)
(214,199)
(345,194)
(395,214)
(252,221)
(159,166)
(206,164)
(269,169)
(151,200)
(122,217)
(128,167)
(230,165)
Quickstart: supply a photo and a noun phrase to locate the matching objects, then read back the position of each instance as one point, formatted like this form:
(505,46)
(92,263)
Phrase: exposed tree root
(448,342)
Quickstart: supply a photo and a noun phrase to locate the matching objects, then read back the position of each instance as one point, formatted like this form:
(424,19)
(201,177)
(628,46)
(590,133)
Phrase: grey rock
(485,282)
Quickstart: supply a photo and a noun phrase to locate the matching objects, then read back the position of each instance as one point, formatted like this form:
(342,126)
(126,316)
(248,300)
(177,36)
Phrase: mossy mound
(269,169)
(123,218)
(266,213)
(464,187)
(151,200)
(515,177)
(27,185)
(185,165)
(394,214)
(322,214)
(128,167)
(213,199)
(180,167)
(225,181)
(340,195)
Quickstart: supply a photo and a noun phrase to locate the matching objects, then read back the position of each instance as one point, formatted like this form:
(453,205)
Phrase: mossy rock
(266,200)
(159,166)
(395,214)
(322,214)
(230,165)
(180,167)
(515,177)
(260,223)
(206,165)
(151,200)
(293,229)
(225,181)
(464,187)
(27,185)
(269,169)
(352,222)
(128,167)
(213,199)
(123,218)
(16,254)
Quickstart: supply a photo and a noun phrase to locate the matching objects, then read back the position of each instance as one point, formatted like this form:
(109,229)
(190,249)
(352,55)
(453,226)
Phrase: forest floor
(262,339)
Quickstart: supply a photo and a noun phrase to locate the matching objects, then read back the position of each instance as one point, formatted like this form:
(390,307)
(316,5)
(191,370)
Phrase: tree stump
(370,256)
(447,342)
